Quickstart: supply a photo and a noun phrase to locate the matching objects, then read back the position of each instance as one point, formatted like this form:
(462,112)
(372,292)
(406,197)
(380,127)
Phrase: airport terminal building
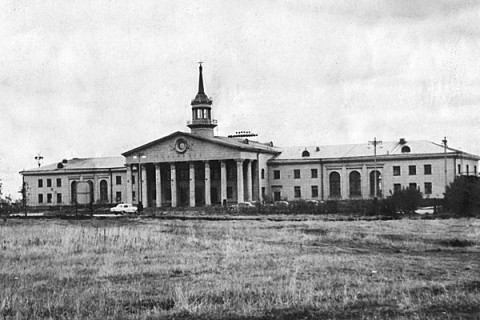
(197,168)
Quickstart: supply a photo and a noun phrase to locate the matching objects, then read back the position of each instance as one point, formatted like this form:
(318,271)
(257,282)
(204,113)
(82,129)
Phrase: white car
(124,208)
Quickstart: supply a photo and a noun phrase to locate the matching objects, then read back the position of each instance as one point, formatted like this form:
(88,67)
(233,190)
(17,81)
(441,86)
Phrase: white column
(192,183)
(249,180)
(208,198)
(144,186)
(365,183)
(173,184)
(344,183)
(240,196)
(158,184)
(129,184)
(223,180)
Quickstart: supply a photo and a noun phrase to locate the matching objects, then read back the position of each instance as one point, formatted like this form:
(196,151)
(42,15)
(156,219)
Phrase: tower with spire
(202,122)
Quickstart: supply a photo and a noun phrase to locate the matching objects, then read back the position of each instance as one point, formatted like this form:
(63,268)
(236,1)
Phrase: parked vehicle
(124,208)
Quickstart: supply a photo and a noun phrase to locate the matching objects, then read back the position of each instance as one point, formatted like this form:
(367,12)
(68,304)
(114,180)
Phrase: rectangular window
(276,174)
(118,179)
(40,183)
(49,198)
(49,183)
(59,198)
(133,179)
(263,192)
(412,170)
(40,198)
(459,169)
(231,172)
(134,198)
(314,191)
(396,170)
(298,192)
(118,196)
(427,169)
(412,185)
(296,174)
(468,169)
(428,188)
(263,174)
(314,173)
(229,193)
(277,196)
(475,170)
(59,182)
(397,187)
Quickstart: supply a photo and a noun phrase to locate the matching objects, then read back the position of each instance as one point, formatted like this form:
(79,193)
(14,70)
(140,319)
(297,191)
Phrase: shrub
(462,196)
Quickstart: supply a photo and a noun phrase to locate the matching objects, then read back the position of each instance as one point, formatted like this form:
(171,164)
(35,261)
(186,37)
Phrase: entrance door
(214,195)
(277,196)
(184,197)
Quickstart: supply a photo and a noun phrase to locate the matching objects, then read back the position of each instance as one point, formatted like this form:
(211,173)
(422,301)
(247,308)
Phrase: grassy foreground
(151,269)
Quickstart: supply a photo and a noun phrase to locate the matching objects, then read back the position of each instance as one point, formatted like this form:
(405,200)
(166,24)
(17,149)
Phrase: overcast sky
(97,78)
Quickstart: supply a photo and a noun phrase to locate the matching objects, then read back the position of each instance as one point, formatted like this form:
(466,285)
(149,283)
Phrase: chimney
(402,141)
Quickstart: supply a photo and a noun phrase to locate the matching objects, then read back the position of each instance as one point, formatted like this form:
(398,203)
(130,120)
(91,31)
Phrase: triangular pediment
(182,146)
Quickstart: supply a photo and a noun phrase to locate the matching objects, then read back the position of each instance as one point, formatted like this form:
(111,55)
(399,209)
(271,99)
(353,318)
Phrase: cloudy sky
(97,78)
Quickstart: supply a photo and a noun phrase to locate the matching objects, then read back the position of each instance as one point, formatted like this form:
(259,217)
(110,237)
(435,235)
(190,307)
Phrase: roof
(388,148)
(81,164)
(243,144)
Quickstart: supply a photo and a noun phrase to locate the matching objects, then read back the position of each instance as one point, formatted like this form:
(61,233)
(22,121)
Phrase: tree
(406,200)
(462,196)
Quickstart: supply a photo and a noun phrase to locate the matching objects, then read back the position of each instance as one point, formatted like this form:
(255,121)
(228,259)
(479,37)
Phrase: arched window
(378,181)
(104,191)
(355,184)
(305,153)
(405,149)
(73,191)
(334,182)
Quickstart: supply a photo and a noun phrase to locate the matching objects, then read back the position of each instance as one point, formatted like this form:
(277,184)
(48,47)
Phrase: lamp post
(139,156)
(39,159)
(375,143)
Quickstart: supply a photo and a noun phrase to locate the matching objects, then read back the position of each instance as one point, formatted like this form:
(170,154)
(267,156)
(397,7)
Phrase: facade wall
(54,195)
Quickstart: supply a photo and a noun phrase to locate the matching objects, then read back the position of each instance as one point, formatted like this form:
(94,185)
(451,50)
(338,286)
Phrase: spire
(201,97)
(200,80)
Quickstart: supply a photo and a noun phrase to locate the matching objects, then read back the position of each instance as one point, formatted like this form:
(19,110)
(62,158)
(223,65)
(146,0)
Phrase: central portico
(197,168)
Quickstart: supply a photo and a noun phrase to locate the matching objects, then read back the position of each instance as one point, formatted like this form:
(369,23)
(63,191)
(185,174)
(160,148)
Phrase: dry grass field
(172,269)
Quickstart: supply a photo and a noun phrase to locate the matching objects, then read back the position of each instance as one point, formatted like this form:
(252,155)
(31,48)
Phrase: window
(103,191)
(427,169)
(405,149)
(375,182)
(475,170)
(49,183)
(263,192)
(334,183)
(73,191)
(40,198)
(314,173)
(277,196)
(59,198)
(314,191)
(49,198)
(40,183)
(134,198)
(397,187)
(412,170)
(59,182)
(296,174)
(305,154)
(355,184)
(133,179)
(118,196)
(396,170)
(263,173)
(428,188)
(459,169)
(231,173)
(468,169)
(276,174)
(229,192)
(297,192)
(118,179)
(412,185)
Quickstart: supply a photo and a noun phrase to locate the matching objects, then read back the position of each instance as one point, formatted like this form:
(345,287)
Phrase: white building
(197,168)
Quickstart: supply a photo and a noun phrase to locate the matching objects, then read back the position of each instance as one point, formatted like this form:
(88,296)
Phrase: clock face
(181,145)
